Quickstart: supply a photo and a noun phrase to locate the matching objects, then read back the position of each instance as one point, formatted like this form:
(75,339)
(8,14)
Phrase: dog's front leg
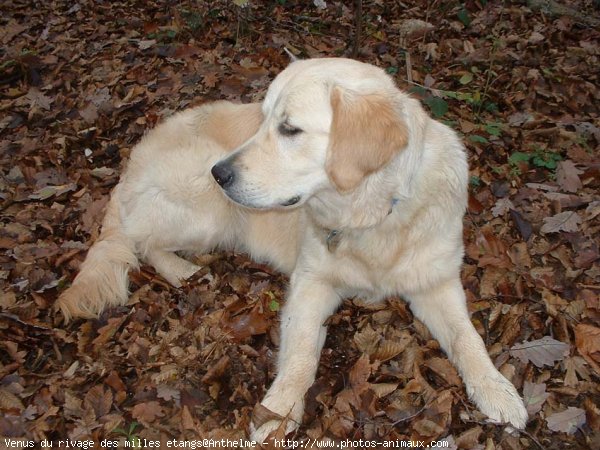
(444,310)
(310,302)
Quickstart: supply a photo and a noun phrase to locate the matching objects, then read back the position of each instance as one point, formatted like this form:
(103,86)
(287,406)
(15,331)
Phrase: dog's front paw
(497,398)
(181,272)
(275,418)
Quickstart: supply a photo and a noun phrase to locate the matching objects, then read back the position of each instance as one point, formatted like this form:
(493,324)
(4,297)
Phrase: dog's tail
(102,280)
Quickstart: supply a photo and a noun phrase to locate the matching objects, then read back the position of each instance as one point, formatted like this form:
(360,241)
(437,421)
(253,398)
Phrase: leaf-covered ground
(81,81)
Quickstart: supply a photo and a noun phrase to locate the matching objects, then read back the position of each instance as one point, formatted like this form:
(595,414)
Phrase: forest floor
(80,82)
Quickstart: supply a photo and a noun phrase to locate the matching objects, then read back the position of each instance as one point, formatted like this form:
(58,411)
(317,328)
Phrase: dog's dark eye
(288,130)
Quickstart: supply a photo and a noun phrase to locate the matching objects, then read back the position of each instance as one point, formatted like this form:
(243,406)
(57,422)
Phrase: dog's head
(329,124)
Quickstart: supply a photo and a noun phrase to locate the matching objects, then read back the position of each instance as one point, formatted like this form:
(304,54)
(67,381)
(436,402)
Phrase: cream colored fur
(348,151)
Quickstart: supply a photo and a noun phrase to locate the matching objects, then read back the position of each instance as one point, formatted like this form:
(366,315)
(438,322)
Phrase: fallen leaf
(383,389)
(146,44)
(89,113)
(367,340)
(360,373)
(98,399)
(469,438)
(8,400)
(147,412)
(428,428)
(167,392)
(37,98)
(443,368)
(567,176)
(413,28)
(565,221)
(587,340)
(52,191)
(536,38)
(534,396)
(542,352)
(502,206)
(217,370)
(575,365)
(523,225)
(568,421)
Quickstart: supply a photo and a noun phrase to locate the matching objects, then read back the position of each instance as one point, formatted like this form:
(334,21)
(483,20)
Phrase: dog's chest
(366,265)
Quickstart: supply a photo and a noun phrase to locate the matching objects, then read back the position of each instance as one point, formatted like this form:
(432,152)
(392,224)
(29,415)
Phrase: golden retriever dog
(339,179)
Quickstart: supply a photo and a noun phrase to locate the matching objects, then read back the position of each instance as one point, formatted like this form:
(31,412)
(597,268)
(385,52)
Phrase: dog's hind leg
(171,267)
(102,280)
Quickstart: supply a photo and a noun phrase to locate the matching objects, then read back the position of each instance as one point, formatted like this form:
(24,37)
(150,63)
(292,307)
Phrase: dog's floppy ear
(366,132)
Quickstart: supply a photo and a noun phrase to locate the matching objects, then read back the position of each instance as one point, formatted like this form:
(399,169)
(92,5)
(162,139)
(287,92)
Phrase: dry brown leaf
(567,421)
(554,303)
(567,176)
(345,404)
(73,405)
(541,352)
(444,369)
(519,255)
(107,332)
(215,372)
(428,428)
(413,28)
(114,381)
(587,340)
(383,389)
(592,413)
(167,372)
(469,438)
(167,392)
(360,373)
(147,412)
(244,325)
(565,221)
(187,421)
(37,98)
(99,399)
(576,368)
(502,206)
(389,349)
(367,340)
(534,396)
(8,400)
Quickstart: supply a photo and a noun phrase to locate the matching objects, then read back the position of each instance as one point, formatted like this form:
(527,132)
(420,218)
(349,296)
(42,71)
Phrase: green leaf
(475,181)
(540,161)
(491,107)
(478,139)
(451,94)
(392,70)
(463,16)
(466,78)
(274,305)
(518,157)
(437,105)
(495,129)
(418,90)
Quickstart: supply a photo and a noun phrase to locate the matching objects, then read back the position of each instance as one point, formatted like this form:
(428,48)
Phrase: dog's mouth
(291,201)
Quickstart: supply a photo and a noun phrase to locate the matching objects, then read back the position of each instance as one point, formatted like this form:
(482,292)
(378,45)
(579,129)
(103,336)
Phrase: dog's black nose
(223,174)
